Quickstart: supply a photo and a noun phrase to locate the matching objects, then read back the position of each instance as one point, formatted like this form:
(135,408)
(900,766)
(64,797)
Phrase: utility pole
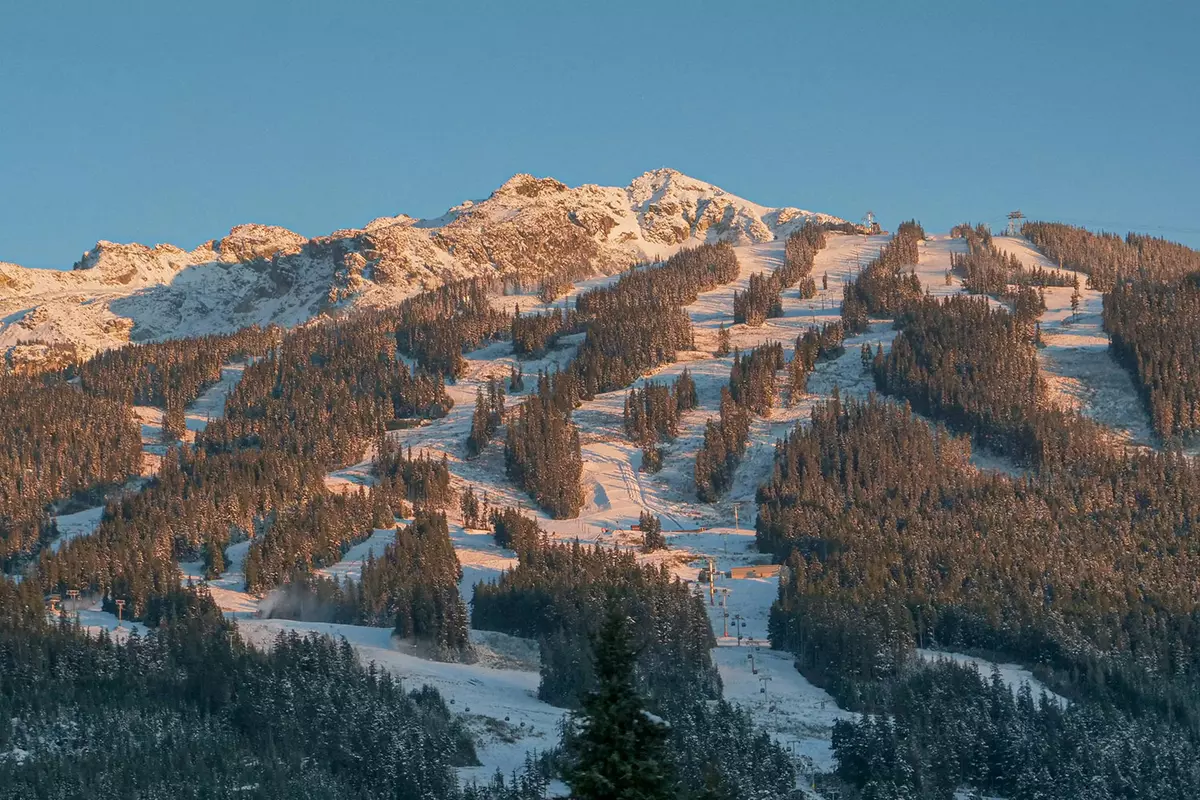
(736,528)
(712,580)
(120,609)
(74,595)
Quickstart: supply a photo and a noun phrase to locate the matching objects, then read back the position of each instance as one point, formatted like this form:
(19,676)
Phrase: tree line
(191,711)
(763,298)
(1108,259)
(651,415)
(412,587)
(882,288)
(57,444)
(751,390)
(1154,330)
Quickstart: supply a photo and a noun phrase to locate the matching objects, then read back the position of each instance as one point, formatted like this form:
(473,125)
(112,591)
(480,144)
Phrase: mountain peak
(526,185)
(527,229)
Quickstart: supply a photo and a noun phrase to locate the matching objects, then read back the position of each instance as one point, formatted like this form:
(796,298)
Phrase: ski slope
(497,694)
(1079,370)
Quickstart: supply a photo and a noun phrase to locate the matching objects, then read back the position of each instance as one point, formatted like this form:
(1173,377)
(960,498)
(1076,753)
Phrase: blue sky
(168,122)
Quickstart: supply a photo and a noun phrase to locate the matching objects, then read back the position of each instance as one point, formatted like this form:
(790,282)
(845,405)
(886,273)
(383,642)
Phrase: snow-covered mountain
(528,228)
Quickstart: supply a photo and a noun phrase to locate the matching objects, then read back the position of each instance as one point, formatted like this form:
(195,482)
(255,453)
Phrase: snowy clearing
(1075,360)
(1013,675)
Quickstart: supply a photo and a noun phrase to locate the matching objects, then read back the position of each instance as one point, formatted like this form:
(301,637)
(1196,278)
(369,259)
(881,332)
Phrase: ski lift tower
(1014,223)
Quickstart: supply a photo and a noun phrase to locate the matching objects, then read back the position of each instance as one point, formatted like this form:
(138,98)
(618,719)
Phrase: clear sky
(172,122)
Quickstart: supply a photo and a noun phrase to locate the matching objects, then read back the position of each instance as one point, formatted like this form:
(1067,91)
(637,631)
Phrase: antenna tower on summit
(868,220)
(1014,223)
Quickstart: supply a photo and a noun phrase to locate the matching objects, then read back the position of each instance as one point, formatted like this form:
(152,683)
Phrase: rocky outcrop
(527,229)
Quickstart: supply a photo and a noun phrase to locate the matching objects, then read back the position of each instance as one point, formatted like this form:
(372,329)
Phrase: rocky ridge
(527,229)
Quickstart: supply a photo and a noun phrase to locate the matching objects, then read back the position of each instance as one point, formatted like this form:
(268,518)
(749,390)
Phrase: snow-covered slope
(527,228)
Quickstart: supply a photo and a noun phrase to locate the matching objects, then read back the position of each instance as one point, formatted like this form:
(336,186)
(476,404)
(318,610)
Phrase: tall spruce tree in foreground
(620,752)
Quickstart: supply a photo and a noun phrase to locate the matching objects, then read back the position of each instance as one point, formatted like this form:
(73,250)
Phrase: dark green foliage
(489,413)
(172,373)
(638,323)
(652,412)
(542,453)
(752,377)
(191,712)
(1107,259)
(558,593)
(412,586)
(882,288)
(515,531)
(721,452)
(812,346)
(325,394)
(949,727)
(315,535)
(751,389)
(56,443)
(438,326)
(763,297)
(724,339)
(895,541)
(1155,334)
(534,334)
(311,405)
(976,368)
(421,479)
(620,751)
(986,270)
(652,533)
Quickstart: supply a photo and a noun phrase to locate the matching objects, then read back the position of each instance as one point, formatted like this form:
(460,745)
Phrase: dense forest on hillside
(541,452)
(534,334)
(987,270)
(310,405)
(882,288)
(1155,334)
(560,595)
(436,327)
(57,443)
(816,344)
(1107,258)
(933,553)
(751,390)
(557,595)
(651,415)
(639,323)
(975,367)
(170,374)
(763,297)
(190,711)
(412,587)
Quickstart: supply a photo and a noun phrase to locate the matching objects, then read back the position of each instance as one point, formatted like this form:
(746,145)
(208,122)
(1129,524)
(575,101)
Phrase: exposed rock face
(527,229)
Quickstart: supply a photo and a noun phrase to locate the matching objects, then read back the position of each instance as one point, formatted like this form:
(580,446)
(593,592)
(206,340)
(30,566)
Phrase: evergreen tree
(621,750)
(652,535)
(724,341)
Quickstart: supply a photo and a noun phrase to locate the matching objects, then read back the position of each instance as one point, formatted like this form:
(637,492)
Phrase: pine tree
(724,344)
(621,751)
(174,423)
(652,535)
